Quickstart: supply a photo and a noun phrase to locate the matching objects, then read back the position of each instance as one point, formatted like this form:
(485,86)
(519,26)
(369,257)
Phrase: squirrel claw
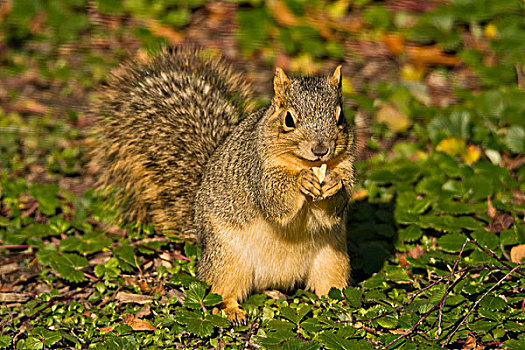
(309,184)
(236,316)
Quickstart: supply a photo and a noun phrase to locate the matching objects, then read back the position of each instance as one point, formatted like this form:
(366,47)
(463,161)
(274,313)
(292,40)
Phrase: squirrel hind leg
(235,314)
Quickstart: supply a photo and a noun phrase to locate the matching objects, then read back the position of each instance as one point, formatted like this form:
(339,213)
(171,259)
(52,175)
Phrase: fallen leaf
(12,297)
(517,253)
(164,31)
(137,324)
(491,31)
(451,146)
(359,195)
(412,73)
(282,13)
(501,222)
(471,154)
(144,311)
(394,42)
(132,298)
(472,344)
(275,294)
(395,120)
(144,287)
(491,210)
(425,55)
(106,329)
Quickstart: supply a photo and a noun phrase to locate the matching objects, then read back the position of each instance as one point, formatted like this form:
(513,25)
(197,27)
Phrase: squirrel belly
(263,193)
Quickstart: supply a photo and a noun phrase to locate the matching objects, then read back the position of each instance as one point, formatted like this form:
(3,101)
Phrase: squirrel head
(306,118)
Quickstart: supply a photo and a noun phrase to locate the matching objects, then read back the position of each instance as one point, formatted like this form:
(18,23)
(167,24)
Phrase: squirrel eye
(289,122)
(340,116)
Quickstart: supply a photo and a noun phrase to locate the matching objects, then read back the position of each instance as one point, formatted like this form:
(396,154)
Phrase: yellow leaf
(304,64)
(411,73)
(451,146)
(393,118)
(359,195)
(517,253)
(471,154)
(348,88)
(491,31)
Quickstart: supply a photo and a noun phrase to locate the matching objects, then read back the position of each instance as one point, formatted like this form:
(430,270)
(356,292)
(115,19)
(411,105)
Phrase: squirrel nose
(320,149)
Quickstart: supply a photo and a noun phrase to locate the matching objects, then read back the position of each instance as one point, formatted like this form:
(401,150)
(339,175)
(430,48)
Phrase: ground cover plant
(436,92)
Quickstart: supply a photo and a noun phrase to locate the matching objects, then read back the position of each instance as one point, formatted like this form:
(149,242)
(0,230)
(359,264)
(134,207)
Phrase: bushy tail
(159,123)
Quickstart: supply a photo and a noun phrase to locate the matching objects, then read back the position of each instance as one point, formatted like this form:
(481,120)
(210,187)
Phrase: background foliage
(436,92)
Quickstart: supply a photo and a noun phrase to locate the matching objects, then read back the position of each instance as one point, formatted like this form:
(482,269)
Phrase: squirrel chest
(282,256)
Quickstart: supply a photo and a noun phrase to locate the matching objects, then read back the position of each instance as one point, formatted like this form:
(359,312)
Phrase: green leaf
(296,315)
(388,321)
(486,239)
(31,343)
(353,296)
(515,139)
(5,341)
(196,297)
(46,195)
(493,303)
(451,242)
(126,253)
(410,234)
(330,340)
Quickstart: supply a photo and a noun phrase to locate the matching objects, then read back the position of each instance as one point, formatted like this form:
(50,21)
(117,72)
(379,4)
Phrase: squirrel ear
(280,83)
(336,79)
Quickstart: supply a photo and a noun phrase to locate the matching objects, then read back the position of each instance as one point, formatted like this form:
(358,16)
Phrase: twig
(252,330)
(519,73)
(406,334)
(476,304)
(175,255)
(491,253)
(442,301)
(15,246)
(439,280)
(57,299)
(16,258)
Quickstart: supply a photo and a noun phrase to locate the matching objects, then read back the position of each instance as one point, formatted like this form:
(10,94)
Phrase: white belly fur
(281,257)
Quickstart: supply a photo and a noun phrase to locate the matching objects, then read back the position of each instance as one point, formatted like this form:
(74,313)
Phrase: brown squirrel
(264,194)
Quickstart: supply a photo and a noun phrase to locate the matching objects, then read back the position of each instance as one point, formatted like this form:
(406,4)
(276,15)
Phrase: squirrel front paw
(309,184)
(331,184)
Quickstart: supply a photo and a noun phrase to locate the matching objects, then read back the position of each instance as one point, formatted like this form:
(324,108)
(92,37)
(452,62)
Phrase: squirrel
(263,193)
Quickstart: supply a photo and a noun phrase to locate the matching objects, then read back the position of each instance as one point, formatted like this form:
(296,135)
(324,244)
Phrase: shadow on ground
(371,235)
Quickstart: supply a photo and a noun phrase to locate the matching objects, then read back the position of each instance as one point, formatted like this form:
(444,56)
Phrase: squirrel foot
(236,315)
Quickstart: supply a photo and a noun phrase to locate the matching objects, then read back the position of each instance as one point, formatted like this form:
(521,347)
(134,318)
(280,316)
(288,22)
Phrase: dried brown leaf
(501,222)
(132,298)
(491,211)
(137,324)
(144,311)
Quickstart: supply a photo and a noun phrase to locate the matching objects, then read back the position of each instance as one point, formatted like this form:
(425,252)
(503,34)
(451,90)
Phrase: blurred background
(406,63)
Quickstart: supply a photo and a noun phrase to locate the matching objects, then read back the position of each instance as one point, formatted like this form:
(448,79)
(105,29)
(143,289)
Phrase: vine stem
(494,255)
(442,301)
(476,304)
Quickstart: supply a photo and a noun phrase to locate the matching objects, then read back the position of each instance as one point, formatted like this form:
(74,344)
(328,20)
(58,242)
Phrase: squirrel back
(159,123)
